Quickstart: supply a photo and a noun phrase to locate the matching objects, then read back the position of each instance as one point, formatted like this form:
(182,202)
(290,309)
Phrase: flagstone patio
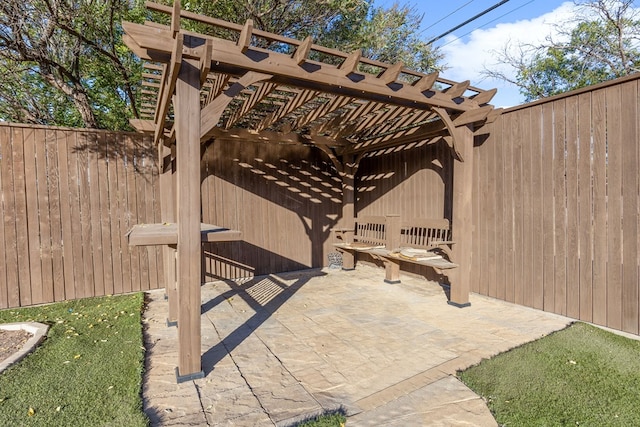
(278,348)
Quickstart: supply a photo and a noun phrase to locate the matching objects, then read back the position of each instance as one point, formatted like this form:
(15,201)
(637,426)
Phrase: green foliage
(392,35)
(579,376)
(331,419)
(88,371)
(64,62)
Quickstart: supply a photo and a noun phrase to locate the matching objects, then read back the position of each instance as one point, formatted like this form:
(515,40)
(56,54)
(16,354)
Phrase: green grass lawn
(581,375)
(88,372)
(329,419)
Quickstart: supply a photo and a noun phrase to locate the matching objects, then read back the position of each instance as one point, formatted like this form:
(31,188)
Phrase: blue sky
(471,48)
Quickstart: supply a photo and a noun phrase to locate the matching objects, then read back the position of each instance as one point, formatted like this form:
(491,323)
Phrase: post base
(455,304)
(171,323)
(392,282)
(189,377)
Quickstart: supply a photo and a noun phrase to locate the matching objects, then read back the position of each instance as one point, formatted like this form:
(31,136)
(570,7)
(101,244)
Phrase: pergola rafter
(199,88)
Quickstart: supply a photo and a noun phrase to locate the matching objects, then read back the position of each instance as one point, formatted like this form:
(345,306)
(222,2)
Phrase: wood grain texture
(550,229)
(187,107)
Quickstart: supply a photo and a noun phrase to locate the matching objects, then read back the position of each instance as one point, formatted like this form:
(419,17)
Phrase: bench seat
(434,259)
(390,240)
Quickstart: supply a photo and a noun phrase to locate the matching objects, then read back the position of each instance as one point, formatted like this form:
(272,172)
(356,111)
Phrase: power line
(490,22)
(484,12)
(442,19)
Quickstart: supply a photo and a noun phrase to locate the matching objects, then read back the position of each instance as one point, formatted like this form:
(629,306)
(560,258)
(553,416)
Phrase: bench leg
(392,271)
(348,260)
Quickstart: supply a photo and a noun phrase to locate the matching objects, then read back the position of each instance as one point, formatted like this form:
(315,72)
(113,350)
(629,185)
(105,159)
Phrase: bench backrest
(371,229)
(424,233)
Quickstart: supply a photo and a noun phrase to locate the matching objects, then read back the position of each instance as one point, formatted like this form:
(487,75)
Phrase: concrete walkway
(281,347)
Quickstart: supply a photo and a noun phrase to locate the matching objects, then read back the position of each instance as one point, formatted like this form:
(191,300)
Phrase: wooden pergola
(244,84)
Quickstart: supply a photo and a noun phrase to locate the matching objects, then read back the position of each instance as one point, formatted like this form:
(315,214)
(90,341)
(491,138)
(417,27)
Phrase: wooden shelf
(167,234)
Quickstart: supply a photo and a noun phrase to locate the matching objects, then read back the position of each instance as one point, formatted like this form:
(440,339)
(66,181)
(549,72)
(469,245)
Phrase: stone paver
(282,347)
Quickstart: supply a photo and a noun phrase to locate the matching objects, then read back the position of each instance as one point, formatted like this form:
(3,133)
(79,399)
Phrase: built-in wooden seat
(167,234)
(392,241)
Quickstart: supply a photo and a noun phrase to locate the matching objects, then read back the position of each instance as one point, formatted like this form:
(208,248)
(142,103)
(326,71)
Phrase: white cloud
(467,58)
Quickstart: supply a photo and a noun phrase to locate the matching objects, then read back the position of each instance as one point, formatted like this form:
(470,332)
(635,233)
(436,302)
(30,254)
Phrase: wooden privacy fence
(68,197)
(556,206)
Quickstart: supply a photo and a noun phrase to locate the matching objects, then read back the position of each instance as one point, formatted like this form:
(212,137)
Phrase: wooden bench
(392,241)
(369,232)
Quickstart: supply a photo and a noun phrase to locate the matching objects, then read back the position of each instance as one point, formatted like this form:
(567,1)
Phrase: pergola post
(462,224)
(168,215)
(347,174)
(187,125)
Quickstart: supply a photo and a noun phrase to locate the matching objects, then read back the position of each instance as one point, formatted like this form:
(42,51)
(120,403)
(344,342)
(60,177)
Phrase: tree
(599,45)
(392,35)
(385,34)
(63,62)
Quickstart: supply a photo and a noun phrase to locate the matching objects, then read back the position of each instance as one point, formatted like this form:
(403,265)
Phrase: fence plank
(548,218)
(126,186)
(22,230)
(84,195)
(116,210)
(76,215)
(560,212)
(571,164)
(141,206)
(497,139)
(512,196)
(479,242)
(585,224)
(95,224)
(6,256)
(150,217)
(65,214)
(527,214)
(537,191)
(103,161)
(33,222)
(489,208)
(629,135)
(614,211)
(53,178)
(600,239)
(44,216)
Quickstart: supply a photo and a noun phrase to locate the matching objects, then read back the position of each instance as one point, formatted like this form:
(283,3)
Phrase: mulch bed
(12,341)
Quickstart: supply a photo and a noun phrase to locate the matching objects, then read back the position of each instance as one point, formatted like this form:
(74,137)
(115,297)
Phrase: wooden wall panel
(63,203)
(412,182)
(568,187)
(284,200)
(629,192)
